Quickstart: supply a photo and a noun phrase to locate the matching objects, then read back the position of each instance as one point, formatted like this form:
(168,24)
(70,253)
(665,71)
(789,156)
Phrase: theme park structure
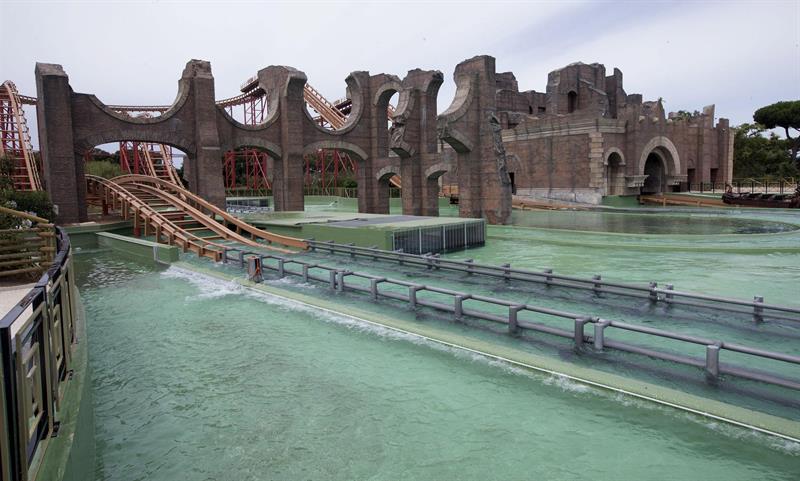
(582,139)
(323,169)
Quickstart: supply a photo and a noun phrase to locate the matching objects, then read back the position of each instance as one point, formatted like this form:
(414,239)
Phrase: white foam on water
(568,384)
(212,287)
(209,287)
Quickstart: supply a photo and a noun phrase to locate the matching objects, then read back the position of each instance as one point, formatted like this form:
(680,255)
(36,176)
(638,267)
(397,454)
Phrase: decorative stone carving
(635,180)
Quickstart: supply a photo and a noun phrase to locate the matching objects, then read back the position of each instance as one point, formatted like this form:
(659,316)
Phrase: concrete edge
(138,247)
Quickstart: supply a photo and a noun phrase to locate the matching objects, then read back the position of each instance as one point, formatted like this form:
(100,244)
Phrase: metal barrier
(441,238)
(336,279)
(36,343)
(757,308)
(764,186)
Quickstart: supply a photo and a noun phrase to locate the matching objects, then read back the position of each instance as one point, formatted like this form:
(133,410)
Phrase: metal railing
(410,293)
(37,337)
(757,308)
(346,192)
(762,186)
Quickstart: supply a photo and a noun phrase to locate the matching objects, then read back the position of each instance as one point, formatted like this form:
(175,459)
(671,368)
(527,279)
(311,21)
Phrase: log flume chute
(175,216)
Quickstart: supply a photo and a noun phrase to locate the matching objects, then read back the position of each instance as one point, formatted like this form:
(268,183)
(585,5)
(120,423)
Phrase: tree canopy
(759,154)
(784,115)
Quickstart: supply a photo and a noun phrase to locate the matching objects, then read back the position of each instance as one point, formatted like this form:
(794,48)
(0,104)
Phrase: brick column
(63,167)
(205,169)
(597,178)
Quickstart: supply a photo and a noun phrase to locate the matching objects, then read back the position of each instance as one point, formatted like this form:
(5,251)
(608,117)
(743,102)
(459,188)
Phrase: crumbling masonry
(581,140)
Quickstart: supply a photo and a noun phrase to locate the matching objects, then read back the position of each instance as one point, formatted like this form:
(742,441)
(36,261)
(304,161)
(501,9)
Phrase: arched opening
(572,101)
(385,187)
(329,114)
(615,175)
(136,157)
(109,160)
(433,178)
(247,172)
(331,172)
(655,170)
(395,181)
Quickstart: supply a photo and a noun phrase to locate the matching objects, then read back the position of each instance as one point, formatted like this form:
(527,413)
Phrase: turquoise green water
(650,223)
(196,379)
(740,265)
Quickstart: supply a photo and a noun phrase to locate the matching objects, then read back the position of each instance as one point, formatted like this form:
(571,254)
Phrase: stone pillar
(284,87)
(205,170)
(374,91)
(471,127)
(414,138)
(63,167)
(430,197)
(597,177)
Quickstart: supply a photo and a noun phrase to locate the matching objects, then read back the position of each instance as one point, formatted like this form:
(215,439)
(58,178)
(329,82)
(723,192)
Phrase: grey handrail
(336,279)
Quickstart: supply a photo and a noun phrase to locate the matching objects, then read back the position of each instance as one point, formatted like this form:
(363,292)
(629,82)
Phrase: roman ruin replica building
(585,138)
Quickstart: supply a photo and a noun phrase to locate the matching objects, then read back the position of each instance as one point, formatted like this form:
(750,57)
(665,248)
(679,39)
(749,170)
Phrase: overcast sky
(739,55)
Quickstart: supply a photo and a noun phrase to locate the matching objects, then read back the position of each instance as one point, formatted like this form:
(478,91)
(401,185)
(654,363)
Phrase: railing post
(254,269)
(578,336)
(469,264)
(340,281)
(506,272)
(712,363)
(668,296)
(428,260)
(596,286)
(374,257)
(758,311)
(352,250)
(281,269)
(458,307)
(399,257)
(373,289)
(513,312)
(548,279)
(412,295)
(332,275)
(311,244)
(599,334)
(653,292)
(305,272)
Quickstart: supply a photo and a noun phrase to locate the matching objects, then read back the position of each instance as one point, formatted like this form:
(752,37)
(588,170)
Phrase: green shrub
(103,168)
(6,169)
(38,203)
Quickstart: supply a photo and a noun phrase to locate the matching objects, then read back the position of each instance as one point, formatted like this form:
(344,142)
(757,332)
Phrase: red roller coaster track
(15,140)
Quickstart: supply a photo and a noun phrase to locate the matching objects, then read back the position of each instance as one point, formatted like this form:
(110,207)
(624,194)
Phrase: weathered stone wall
(584,138)
(563,150)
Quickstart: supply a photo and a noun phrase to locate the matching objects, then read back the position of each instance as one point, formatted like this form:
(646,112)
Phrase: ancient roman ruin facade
(585,138)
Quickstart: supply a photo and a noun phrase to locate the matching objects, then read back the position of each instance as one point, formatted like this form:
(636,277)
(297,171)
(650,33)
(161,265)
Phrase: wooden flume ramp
(175,216)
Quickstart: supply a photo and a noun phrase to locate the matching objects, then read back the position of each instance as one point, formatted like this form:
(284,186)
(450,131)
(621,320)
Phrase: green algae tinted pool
(198,379)
(649,223)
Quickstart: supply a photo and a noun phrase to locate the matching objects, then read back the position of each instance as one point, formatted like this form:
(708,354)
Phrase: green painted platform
(414,234)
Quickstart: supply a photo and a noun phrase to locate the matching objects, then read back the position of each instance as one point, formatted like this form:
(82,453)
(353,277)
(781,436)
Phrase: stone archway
(656,172)
(660,163)
(615,172)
